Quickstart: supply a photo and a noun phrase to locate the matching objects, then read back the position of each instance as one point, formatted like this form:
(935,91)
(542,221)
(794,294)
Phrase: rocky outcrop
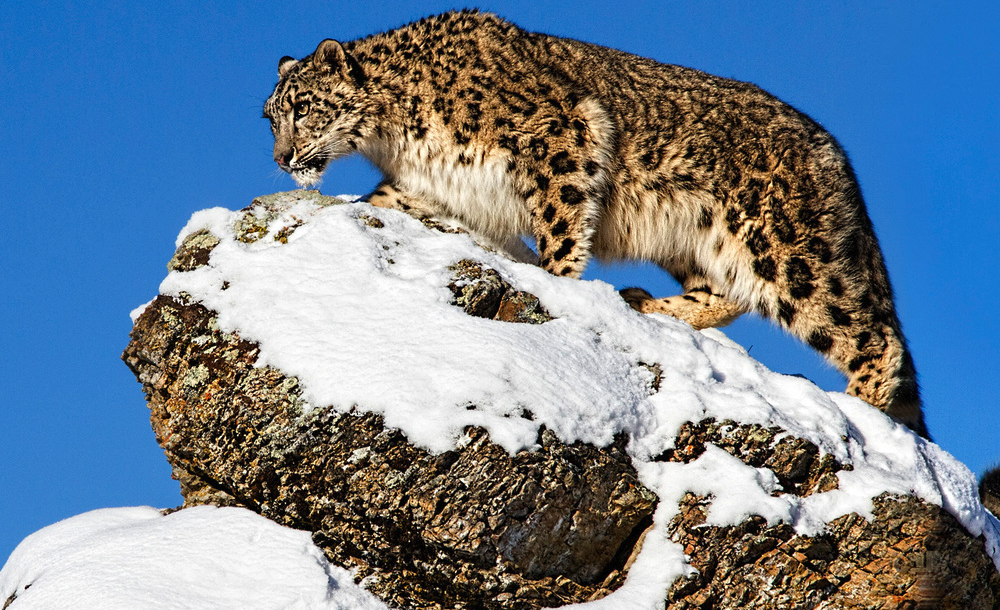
(477,527)
(470,525)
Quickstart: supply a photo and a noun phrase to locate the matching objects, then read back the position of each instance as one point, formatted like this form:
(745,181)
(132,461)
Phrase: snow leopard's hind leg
(700,305)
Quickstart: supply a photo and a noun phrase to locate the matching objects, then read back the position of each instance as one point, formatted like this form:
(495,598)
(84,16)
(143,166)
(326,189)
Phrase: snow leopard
(594,152)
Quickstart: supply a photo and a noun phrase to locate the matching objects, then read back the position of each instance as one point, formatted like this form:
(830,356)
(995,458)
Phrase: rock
(484,294)
(910,553)
(470,524)
(476,527)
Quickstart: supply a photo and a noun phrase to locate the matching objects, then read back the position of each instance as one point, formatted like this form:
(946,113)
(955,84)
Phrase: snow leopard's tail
(989,490)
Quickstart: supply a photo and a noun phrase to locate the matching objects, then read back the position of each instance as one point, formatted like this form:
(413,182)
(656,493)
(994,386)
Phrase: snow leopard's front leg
(568,186)
(388,196)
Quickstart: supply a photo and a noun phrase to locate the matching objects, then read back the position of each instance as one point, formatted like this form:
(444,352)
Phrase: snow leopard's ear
(285,65)
(330,55)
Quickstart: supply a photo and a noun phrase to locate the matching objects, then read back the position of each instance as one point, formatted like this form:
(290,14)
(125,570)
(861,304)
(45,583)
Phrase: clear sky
(119,120)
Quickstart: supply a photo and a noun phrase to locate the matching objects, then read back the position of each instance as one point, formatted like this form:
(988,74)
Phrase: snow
(362,316)
(202,557)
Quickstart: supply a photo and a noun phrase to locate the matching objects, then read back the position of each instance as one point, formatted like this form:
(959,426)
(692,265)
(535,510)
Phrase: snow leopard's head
(317,111)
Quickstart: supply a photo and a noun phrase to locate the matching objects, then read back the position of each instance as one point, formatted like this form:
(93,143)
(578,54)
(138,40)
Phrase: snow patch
(202,557)
(135,313)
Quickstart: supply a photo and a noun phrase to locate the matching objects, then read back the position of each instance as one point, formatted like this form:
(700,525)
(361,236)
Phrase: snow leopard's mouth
(306,177)
(309,172)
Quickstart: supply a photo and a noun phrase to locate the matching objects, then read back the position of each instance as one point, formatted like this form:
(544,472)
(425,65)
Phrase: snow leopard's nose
(284,158)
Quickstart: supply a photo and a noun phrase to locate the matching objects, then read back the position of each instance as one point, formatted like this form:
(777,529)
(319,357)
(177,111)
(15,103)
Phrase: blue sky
(121,120)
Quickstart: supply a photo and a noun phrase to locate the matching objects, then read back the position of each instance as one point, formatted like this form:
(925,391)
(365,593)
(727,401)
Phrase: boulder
(485,524)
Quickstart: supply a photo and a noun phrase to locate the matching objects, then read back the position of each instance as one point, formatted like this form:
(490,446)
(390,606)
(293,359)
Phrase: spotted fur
(749,203)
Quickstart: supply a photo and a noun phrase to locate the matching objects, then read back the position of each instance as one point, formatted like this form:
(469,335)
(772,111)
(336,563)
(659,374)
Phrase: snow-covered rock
(318,362)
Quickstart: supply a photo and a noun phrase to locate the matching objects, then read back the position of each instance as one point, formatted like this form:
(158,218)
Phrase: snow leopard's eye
(301,109)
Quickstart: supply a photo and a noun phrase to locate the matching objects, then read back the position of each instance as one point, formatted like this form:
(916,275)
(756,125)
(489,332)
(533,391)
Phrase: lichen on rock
(194,251)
